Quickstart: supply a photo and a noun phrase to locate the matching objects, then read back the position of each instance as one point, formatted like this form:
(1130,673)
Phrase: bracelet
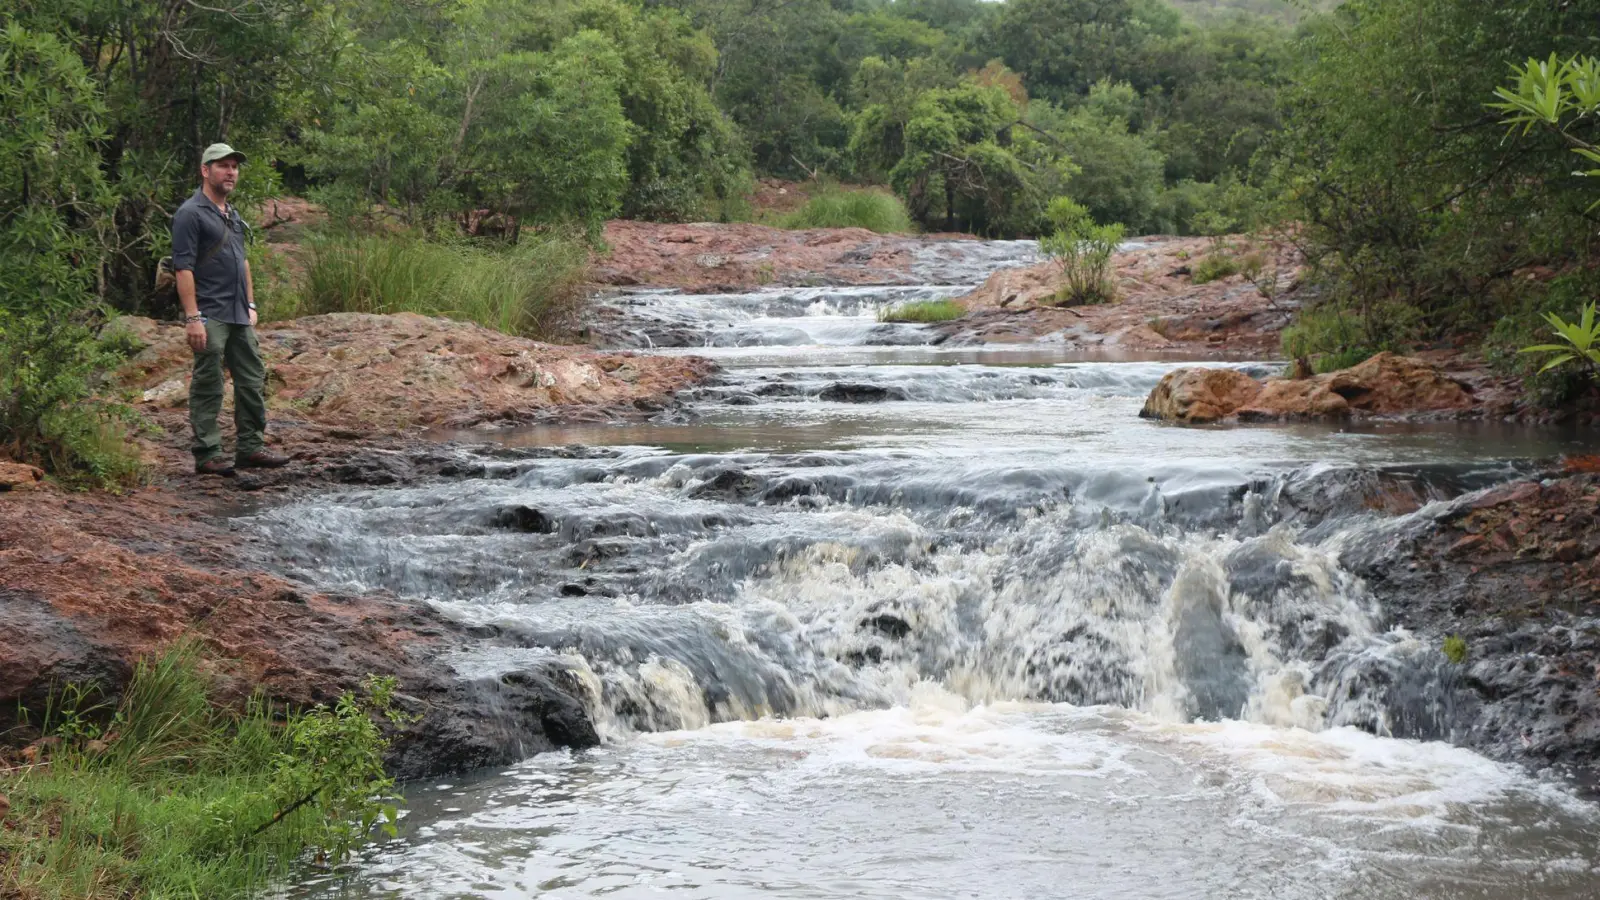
(251,305)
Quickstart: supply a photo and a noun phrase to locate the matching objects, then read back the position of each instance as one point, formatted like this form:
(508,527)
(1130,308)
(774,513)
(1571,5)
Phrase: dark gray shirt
(219,281)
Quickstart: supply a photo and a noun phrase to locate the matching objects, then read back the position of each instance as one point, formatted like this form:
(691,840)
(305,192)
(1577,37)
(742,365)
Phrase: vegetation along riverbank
(1397,199)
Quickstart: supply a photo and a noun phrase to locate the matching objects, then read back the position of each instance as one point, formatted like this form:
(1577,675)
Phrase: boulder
(1200,395)
(1385,385)
(19,476)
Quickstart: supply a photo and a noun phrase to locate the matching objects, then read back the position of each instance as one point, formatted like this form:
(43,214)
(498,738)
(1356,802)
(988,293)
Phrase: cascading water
(914,628)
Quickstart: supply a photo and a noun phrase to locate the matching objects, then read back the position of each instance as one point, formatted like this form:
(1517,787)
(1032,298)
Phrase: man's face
(221,176)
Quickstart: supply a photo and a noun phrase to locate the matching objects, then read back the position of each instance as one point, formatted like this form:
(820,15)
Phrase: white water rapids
(907,621)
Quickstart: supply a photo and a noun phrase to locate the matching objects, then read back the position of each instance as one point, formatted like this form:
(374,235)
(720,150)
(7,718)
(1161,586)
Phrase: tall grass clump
(839,208)
(533,288)
(922,311)
(166,793)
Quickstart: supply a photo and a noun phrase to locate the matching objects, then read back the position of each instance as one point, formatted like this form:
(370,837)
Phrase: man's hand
(196,333)
(252,317)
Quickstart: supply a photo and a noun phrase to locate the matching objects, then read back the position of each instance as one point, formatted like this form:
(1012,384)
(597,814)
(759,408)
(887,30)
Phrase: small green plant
(1083,250)
(835,207)
(923,311)
(166,793)
(1214,266)
(1455,649)
(1582,345)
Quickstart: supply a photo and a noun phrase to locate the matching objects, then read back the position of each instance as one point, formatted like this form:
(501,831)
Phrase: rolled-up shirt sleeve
(185,238)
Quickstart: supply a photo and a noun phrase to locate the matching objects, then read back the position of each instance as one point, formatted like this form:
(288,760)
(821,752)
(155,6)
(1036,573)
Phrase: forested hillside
(1365,131)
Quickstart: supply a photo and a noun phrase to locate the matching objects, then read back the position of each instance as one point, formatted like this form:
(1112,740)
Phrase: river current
(874,617)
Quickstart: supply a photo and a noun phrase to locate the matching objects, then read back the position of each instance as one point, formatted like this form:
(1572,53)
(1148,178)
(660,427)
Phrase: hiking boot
(261,459)
(216,465)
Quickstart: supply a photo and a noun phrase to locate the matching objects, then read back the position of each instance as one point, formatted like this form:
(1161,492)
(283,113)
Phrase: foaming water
(864,621)
(939,798)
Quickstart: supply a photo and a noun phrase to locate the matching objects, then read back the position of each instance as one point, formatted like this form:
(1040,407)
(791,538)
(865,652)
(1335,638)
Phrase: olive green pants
(235,347)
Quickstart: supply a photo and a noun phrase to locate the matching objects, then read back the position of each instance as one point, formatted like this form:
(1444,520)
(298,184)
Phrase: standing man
(219,317)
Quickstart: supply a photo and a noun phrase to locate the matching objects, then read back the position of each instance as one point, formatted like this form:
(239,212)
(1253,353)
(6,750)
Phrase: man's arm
(250,292)
(185,235)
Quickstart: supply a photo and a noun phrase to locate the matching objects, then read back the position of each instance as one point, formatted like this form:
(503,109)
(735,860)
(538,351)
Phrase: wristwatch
(190,320)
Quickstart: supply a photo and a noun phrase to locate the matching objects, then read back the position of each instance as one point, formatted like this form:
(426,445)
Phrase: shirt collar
(200,197)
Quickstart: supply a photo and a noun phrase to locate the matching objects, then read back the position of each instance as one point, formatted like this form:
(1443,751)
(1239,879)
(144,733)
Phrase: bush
(923,311)
(840,208)
(1213,266)
(167,794)
(48,361)
(533,288)
(1083,251)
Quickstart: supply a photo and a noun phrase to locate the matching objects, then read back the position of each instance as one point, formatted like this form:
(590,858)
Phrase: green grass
(163,794)
(874,210)
(534,288)
(923,311)
(1214,266)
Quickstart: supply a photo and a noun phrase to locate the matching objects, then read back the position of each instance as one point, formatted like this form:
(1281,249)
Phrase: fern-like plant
(1582,342)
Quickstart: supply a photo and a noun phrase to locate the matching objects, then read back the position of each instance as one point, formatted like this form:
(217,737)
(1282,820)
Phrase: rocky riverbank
(91,582)
(1513,573)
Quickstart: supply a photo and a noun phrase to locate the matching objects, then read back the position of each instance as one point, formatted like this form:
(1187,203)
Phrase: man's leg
(205,394)
(249,387)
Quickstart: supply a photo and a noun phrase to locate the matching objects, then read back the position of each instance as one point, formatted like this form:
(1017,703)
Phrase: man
(219,317)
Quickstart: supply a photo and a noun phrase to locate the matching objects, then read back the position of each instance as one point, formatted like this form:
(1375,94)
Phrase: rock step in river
(866,621)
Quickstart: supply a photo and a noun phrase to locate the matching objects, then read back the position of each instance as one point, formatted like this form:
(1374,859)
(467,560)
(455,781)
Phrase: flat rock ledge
(1385,385)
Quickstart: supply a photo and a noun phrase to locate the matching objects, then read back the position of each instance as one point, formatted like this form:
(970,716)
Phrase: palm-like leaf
(1582,340)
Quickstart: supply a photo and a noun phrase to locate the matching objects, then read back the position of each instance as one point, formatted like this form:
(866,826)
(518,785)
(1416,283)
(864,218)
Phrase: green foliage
(923,311)
(1118,173)
(1083,250)
(839,208)
(1454,649)
(1561,97)
(533,288)
(1334,336)
(1412,202)
(1214,266)
(49,360)
(167,794)
(1582,342)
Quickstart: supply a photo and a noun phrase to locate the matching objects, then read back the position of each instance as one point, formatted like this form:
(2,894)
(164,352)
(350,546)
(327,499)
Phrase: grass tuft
(874,210)
(165,793)
(533,289)
(923,311)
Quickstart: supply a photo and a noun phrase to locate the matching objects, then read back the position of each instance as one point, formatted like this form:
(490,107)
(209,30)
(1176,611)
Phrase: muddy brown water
(900,622)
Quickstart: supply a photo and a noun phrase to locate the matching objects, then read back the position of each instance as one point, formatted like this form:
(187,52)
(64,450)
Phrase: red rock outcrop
(382,373)
(1385,385)
(1200,395)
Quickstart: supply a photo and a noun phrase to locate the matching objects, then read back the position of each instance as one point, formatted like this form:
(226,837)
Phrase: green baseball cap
(219,151)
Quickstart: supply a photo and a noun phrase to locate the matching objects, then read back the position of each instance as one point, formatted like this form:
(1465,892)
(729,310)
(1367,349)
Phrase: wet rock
(728,485)
(848,392)
(525,519)
(1199,395)
(1385,385)
(887,624)
(371,468)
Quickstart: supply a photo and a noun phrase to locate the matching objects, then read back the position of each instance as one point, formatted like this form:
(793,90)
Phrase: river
(871,617)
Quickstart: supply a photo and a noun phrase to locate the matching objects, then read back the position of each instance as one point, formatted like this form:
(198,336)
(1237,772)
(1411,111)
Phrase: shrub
(167,794)
(1455,649)
(1083,250)
(923,311)
(1214,266)
(1329,336)
(533,288)
(839,208)
(48,362)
